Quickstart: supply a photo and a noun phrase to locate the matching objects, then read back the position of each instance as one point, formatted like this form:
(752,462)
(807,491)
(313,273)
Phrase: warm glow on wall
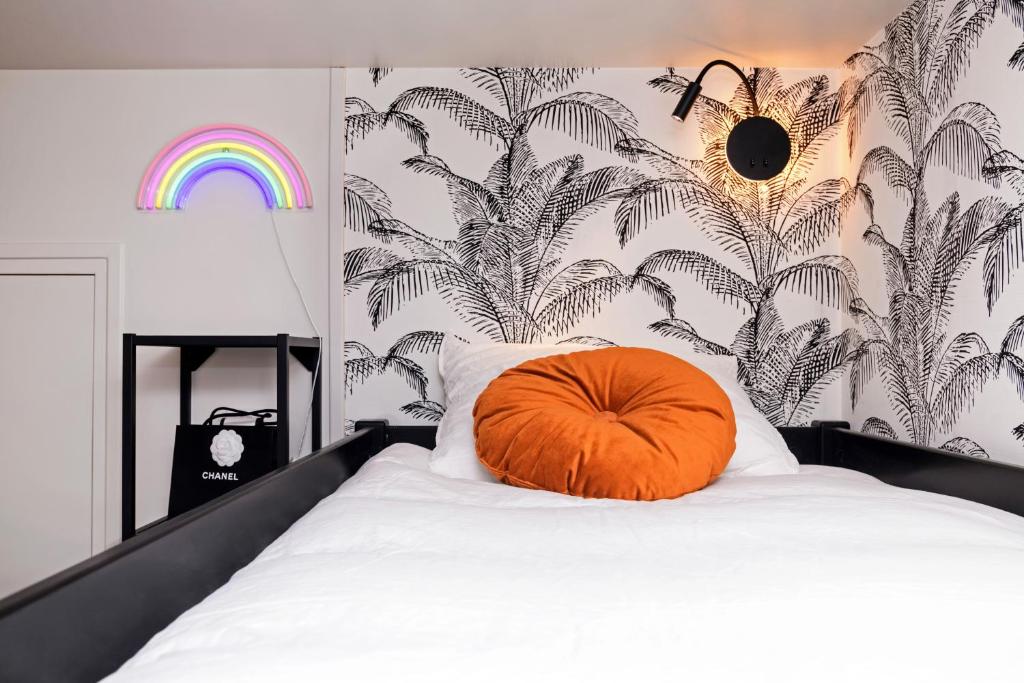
(758,147)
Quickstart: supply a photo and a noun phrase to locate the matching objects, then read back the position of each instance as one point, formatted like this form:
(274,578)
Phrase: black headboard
(806,443)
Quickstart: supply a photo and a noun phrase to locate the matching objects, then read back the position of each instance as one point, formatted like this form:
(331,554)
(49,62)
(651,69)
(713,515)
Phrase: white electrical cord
(312,323)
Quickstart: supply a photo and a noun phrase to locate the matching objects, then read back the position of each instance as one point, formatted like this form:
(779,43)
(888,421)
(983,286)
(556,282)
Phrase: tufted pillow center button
(607,416)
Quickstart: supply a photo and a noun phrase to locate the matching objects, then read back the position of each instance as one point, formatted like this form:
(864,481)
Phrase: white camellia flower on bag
(226,448)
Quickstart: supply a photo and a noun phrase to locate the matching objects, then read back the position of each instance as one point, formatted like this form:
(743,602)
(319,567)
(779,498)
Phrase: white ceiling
(316,33)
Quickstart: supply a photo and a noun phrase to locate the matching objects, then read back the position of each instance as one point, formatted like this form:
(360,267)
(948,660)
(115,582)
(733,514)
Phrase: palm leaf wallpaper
(873,280)
(934,138)
(555,205)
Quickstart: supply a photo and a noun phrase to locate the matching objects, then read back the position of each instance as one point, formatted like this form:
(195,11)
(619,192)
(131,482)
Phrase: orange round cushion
(624,423)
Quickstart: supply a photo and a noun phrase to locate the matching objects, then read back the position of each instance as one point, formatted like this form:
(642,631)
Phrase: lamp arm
(739,72)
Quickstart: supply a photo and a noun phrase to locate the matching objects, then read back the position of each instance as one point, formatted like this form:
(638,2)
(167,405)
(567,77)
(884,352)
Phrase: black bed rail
(997,484)
(832,442)
(387,434)
(811,444)
(83,623)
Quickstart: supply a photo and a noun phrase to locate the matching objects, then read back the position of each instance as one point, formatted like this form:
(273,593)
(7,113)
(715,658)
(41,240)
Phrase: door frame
(103,261)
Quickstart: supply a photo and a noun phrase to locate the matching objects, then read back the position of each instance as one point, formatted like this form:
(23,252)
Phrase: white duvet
(405,575)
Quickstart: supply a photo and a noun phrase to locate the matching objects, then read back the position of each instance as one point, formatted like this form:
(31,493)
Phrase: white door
(47,423)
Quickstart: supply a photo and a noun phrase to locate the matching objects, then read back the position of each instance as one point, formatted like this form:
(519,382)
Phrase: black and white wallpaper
(873,280)
(935,139)
(554,205)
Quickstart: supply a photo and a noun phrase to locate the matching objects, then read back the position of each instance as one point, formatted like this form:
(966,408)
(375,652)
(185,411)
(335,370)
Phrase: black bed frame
(83,623)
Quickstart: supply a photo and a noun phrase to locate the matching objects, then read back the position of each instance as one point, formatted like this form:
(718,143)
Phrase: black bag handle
(222,412)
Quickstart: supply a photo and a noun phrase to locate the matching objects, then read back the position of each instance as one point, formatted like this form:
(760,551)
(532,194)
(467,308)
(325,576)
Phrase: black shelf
(258,341)
(196,350)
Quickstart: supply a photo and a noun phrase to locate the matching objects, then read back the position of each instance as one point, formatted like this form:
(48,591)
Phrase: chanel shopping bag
(212,459)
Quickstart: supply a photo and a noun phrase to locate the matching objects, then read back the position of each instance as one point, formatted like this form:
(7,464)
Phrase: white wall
(73,147)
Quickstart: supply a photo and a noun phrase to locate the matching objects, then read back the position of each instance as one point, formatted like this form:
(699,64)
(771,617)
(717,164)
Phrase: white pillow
(467,369)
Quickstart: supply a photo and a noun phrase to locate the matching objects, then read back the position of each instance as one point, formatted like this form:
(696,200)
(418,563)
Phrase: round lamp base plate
(758,148)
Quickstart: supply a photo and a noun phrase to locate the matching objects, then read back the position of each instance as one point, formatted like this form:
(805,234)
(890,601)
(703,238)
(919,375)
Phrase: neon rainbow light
(190,157)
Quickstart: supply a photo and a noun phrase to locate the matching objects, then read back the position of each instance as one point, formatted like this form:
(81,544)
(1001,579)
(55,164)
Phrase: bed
(828,574)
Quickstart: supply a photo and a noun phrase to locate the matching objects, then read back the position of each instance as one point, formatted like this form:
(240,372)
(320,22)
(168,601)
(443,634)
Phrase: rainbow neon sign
(201,151)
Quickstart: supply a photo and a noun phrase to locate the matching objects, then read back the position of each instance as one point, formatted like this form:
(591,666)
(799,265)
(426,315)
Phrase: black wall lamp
(758,148)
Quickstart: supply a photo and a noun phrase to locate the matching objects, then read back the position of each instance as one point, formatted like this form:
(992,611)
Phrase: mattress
(405,575)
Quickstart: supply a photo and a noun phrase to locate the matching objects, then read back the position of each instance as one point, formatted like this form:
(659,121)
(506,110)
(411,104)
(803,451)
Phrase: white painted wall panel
(46,425)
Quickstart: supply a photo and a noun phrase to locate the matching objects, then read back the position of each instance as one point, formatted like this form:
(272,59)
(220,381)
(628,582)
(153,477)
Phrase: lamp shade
(687,101)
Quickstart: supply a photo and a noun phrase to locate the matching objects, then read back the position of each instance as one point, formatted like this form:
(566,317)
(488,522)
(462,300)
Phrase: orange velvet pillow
(624,423)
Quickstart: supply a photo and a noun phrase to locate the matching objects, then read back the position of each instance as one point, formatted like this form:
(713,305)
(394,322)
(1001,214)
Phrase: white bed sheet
(405,575)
